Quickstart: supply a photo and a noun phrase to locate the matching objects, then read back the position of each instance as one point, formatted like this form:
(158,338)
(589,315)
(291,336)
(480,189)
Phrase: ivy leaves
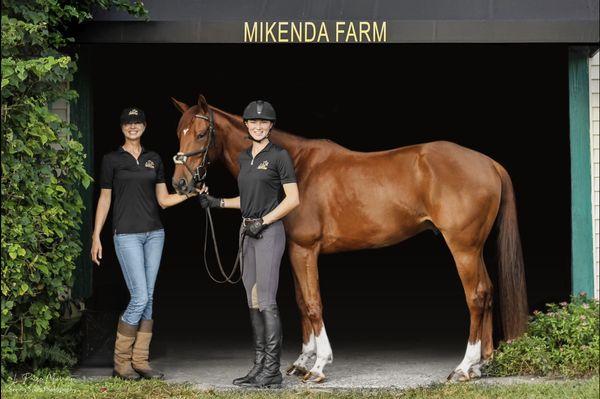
(42,172)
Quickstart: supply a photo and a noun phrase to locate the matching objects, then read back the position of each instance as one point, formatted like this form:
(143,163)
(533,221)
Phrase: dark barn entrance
(507,101)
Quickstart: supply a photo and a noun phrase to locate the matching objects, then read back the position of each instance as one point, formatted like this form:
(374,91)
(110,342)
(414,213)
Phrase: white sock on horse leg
(472,356)
(324,352)
(308,352)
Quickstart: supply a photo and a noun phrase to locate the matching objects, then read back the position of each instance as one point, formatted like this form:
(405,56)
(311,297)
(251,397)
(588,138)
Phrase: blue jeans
(139,255)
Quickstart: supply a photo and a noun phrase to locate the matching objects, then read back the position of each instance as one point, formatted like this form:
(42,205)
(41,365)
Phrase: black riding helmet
(260,109)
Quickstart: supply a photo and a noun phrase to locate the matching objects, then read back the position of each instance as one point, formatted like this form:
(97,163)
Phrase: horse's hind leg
(304,264)
(309,347)
(478,292)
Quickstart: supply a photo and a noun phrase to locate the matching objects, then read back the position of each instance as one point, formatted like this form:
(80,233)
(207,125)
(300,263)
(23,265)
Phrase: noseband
(199,174)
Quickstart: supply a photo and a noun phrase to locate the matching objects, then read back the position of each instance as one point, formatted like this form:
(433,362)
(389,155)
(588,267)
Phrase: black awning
(338,21)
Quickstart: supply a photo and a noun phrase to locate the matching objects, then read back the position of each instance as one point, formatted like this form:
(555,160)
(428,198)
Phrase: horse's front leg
(304,264)
(309,346)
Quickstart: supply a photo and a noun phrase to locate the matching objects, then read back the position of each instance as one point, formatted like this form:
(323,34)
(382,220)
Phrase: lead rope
(238,258)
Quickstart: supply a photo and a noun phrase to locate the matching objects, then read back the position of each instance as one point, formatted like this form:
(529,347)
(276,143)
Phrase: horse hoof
(475,371)
(458,376)
(296,370)
(314,378)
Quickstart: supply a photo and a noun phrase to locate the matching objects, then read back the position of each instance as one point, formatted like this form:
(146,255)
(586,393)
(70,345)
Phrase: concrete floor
(215,363)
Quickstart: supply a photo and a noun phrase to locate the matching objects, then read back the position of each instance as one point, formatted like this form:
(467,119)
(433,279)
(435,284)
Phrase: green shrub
(42,171)
(563,341)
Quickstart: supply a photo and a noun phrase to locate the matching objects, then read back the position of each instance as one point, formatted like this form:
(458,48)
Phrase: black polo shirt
(133,184)
(261,179)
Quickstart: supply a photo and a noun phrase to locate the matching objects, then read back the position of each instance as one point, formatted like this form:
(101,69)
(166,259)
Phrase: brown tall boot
(141,351)
(123,351)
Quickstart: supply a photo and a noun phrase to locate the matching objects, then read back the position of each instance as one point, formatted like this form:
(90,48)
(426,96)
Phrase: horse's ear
(202,104)
(180,106)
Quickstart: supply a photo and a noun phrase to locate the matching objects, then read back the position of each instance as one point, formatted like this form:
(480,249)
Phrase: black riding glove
(254,228)
(207,201)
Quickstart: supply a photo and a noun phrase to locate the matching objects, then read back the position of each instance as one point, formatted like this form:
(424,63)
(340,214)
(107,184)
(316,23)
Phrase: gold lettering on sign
(364,28)
(351,33)
(379,36)
(323,33)
(313,30)
(282,37)
(339,29)
(320,32)
(269,33)
(250,36)
(296,33)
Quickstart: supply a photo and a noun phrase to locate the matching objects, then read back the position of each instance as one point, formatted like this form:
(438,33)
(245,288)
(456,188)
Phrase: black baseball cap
(132,115)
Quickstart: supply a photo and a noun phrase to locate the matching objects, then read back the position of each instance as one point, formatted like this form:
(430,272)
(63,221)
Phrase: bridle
(199,174)
(198,177)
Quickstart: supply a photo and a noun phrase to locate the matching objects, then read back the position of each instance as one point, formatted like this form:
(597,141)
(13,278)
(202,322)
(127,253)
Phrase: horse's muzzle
(181,186)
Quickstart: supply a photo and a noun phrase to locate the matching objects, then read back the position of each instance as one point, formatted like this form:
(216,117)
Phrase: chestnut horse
(433,186)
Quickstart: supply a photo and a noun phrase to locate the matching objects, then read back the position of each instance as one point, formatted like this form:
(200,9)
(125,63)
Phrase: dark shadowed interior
(509,102)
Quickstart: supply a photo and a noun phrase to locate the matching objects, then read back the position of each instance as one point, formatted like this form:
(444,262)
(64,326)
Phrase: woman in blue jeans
(134,177)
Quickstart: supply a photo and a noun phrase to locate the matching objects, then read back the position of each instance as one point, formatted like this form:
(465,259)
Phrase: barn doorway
(507,101)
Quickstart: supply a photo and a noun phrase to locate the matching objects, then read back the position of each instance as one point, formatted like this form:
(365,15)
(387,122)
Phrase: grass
(51,387)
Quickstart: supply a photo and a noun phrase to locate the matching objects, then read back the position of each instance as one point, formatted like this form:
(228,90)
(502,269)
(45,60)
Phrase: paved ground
(384,365)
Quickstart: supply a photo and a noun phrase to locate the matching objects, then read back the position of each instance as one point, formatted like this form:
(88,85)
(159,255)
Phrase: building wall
(595,157)
(61,108)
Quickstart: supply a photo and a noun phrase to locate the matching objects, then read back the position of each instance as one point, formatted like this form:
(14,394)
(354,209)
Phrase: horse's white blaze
(324,353)
(472,357)
(308,352)
(185,130)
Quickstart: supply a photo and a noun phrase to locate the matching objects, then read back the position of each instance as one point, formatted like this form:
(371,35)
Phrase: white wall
(595,148)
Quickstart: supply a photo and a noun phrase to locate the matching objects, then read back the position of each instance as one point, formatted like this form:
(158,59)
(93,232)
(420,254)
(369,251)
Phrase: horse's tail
(512,290)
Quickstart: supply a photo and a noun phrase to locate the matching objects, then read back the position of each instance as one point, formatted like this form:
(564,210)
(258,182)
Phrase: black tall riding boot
(258,333)
(270,376)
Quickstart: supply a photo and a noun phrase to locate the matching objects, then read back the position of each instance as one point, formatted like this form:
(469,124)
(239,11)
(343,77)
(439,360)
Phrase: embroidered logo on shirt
(149,164)
(263,165)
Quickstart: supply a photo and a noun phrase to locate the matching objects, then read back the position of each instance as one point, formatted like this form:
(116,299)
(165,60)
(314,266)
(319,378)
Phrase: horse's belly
(356,234)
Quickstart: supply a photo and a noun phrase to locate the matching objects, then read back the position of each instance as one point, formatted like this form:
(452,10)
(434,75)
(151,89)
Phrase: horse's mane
(281,135)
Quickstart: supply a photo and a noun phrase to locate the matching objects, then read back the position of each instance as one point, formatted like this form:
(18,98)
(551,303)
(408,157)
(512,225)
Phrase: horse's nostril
(181,183)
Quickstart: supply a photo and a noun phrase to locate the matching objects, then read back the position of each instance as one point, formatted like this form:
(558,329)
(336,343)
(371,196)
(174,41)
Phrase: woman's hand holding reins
(208,201)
